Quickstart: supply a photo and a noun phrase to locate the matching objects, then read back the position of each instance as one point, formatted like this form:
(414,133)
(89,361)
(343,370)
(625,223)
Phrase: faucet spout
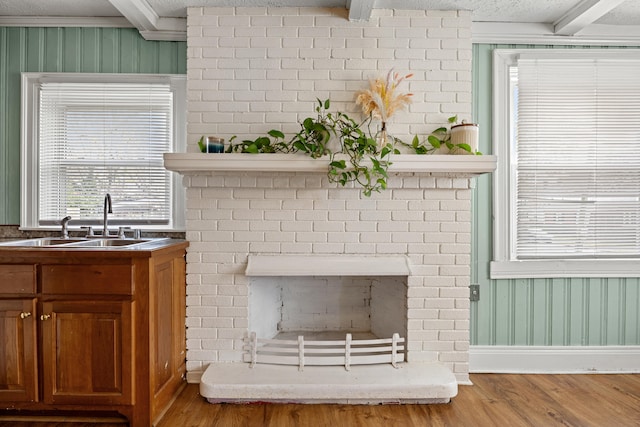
(65,231)
(107,210)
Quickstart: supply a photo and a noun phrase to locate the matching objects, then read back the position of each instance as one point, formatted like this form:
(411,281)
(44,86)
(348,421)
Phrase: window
(567,188)
(86,135)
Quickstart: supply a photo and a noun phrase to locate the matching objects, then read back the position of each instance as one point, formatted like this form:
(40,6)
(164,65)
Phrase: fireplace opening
(327,307)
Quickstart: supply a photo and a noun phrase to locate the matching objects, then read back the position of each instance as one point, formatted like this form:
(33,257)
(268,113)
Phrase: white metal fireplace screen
(345,352)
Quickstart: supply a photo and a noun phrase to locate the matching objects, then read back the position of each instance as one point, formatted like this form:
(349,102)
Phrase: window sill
(534,269)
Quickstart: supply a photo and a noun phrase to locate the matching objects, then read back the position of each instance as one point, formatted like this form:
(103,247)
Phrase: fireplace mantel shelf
(327,265)
(194,163)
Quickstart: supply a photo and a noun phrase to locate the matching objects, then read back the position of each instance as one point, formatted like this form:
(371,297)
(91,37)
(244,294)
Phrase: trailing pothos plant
(367,160)
(361,158)
(358,159)
(439,138)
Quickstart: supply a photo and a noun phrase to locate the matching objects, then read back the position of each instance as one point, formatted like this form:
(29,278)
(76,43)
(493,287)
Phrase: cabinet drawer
(87,279)
(18,279)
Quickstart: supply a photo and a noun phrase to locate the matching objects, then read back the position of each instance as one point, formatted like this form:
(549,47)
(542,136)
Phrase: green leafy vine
(366,164)
(363,158)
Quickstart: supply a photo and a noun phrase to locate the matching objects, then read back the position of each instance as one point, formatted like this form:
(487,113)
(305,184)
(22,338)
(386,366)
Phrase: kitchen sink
(44,241)
(111,242)
(88,243)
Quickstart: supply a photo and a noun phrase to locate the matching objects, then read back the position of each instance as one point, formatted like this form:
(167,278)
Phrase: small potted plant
(459,139)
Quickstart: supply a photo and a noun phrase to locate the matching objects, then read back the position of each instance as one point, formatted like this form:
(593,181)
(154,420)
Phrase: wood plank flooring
(493,400)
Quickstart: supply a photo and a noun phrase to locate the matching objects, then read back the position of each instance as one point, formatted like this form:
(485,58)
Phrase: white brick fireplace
(303,235)
(254,69)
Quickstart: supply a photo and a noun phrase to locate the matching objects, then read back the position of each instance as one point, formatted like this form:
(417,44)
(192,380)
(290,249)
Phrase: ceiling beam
(584,13)
(536,33)
(360,10)
(148,23)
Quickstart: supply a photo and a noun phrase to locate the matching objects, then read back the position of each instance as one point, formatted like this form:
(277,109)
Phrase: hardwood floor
(493,400)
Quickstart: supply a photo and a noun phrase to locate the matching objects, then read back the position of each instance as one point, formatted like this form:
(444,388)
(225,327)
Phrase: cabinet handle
(24,315)
(45,317)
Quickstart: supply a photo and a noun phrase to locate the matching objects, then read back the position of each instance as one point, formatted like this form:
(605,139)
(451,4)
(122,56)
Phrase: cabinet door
(87,352)
(18,360)
(167,314)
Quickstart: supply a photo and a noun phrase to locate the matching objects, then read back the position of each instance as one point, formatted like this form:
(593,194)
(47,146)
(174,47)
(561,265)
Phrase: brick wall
(254,69)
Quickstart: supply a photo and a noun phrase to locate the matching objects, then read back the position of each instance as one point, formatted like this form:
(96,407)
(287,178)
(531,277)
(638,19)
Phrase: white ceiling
(165,19)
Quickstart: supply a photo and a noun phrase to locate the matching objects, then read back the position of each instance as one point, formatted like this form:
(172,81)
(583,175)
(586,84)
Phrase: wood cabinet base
(93,333)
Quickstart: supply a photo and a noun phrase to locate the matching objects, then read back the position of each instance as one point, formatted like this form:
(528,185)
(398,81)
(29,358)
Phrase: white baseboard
(554,359)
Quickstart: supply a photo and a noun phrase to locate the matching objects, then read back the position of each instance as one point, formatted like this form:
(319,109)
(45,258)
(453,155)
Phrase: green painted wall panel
(537,319)
(53,49)
(71,57)
(594,332)
(109,57)
(11,180)
(541,312)
(128,53)
(632,335)
(86,50)
(520,302)
(4,132)
(576,318)
(34,48)
(89,47)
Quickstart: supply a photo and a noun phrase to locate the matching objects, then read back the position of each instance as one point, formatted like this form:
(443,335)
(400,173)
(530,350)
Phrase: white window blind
(98,138)
(577,161)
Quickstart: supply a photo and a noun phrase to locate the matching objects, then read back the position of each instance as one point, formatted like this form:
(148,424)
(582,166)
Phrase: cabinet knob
(24,315)
(45,317)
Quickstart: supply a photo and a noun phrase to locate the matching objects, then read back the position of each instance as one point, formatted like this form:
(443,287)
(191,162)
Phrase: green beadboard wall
(540,312)
(85,50)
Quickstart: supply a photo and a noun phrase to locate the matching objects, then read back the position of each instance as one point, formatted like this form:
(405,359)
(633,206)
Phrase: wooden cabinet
(93,331)
(167,336)
(18,358)
(87,351)
(18,367)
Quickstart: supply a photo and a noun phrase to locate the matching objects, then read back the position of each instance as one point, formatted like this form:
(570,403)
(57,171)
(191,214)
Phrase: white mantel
(193,163)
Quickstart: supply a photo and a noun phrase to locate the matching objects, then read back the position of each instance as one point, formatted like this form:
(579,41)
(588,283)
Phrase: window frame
(504,264)
(29,182)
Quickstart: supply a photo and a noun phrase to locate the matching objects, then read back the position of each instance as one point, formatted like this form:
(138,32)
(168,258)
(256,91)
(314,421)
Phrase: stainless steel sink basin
(86,243)
(111,242)
(45,241)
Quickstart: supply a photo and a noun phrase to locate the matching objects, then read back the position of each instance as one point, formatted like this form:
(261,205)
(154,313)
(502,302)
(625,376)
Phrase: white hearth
(420,382)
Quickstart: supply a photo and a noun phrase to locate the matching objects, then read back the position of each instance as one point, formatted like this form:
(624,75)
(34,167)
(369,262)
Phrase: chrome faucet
(63,223)
(107,210)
